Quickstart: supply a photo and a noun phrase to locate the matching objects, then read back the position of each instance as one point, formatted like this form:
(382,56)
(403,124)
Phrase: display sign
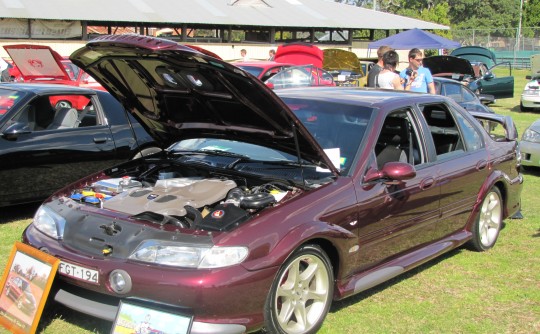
(26,282)
(145,317)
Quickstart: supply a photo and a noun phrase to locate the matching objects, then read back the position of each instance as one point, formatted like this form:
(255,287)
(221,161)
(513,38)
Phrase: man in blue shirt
(417,78)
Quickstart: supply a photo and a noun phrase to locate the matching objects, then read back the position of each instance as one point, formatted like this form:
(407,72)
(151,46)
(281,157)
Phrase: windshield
(231,147)
(253,70)
(8,98)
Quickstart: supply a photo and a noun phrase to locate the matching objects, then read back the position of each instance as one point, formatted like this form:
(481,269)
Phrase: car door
(44,157)
(498,82)
(394,217)
(461,163)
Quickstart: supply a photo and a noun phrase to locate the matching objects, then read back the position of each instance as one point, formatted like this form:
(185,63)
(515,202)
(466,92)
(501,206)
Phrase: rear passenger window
(452,133)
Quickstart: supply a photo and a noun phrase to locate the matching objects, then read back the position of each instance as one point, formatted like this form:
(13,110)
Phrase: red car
(268,205)
(41,64)
(262,69)
(18,289)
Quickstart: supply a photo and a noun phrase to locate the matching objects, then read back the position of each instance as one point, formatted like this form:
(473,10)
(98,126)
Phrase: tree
(531,18)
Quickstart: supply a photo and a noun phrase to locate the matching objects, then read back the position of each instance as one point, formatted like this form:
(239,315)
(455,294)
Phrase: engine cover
(168,197)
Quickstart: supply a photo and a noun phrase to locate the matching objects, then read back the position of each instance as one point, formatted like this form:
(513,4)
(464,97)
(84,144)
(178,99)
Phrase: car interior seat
(65,118)
(392,144)
(44,113)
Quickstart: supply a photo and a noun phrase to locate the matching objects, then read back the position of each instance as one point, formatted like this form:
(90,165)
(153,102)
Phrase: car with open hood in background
(479,78)
(44,147)
(41,64)
(345,67)
(267,204)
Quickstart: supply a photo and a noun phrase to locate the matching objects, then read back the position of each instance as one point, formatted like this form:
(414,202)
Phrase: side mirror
(486,99)
(528,77)
(14,130)
(488,76)
(393,171)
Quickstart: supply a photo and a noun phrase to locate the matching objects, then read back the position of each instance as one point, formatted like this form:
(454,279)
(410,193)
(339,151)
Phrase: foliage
(461,14)
(531,18)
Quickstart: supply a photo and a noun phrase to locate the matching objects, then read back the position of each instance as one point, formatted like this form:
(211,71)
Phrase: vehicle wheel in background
(301,294)
(488,223)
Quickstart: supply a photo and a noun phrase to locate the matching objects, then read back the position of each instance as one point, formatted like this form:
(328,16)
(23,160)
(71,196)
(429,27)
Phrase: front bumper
(225,300)
(530,153)
(530,101)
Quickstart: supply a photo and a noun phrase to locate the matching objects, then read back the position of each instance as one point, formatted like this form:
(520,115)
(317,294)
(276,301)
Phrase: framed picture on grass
(140,317)
(24,288)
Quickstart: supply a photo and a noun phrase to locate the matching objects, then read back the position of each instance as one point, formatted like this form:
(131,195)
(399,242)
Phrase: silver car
(530,146)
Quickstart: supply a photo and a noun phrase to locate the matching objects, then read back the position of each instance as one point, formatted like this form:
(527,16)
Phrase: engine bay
(204,202)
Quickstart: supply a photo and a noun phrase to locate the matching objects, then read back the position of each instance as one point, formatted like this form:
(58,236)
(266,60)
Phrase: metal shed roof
(261,13)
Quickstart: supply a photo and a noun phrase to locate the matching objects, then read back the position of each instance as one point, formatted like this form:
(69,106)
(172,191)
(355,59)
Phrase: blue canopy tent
(415,38)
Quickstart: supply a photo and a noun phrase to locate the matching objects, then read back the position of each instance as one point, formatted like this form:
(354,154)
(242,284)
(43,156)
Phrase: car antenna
(297,146)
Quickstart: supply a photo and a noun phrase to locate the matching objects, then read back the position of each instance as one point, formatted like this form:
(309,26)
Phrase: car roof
(46,88)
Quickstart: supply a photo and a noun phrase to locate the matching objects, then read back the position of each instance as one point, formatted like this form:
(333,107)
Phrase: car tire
(488,223)
(523,108)
(146,151)
(20,303)
(303,287)
(7,291)
(62,104)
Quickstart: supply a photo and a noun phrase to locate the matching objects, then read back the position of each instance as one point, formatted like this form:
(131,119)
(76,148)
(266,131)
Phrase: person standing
(417,77)
(4,70)
(243,55)
(271,54)
(388,77)
(378,66)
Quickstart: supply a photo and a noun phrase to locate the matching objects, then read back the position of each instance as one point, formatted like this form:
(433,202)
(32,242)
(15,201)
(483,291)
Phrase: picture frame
(25,286)
(141,317)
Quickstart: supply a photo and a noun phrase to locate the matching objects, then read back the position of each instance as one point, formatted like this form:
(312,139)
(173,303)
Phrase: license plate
(78,272)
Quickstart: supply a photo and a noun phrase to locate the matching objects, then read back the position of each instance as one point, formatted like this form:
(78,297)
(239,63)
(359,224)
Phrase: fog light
(120,281)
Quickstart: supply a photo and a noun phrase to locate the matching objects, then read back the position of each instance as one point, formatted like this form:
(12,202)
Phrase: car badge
(152,197)
(107,250)
(111,229)
(218,214)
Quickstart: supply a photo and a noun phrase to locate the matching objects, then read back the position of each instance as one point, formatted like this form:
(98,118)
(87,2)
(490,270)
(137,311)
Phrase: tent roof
(415,38)
(258,13)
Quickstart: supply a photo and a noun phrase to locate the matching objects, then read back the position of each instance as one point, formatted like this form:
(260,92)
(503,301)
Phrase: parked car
(269,204)
(530,146)
(41,64)
(18,289)
(301,76)
(463,95)
(530,97)
(345,67)
(43,149)
(475,75)
(262,69)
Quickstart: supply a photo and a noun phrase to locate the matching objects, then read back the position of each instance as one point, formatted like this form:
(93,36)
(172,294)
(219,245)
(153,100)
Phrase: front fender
(278,253)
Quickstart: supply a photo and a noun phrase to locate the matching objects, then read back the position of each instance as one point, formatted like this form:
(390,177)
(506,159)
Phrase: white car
(530,98)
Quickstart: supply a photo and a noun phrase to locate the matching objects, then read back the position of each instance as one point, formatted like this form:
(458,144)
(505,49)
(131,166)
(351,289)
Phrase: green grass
(461,292)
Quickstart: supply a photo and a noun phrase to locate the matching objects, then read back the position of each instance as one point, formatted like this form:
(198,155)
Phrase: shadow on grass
(55,311)
(338,305)
(18,212)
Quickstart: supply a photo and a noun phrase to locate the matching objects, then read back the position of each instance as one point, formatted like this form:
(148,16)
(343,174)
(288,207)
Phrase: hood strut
(298,155)
(133,133)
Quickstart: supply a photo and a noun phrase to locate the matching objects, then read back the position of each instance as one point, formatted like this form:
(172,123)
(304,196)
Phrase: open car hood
(341,60)
(299,54)
(177,93)
(476,54)
(448,65)
(37,62)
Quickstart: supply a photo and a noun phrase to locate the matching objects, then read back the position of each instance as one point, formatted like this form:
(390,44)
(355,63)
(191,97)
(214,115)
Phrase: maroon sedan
(268,205)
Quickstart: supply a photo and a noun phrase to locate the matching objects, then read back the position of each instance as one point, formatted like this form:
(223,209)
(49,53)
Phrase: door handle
(99,140)
(427,183)
(481,164)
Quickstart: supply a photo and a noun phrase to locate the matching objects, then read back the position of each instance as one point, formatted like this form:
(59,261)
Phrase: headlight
(531,136)
(49,222)
(189,256)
